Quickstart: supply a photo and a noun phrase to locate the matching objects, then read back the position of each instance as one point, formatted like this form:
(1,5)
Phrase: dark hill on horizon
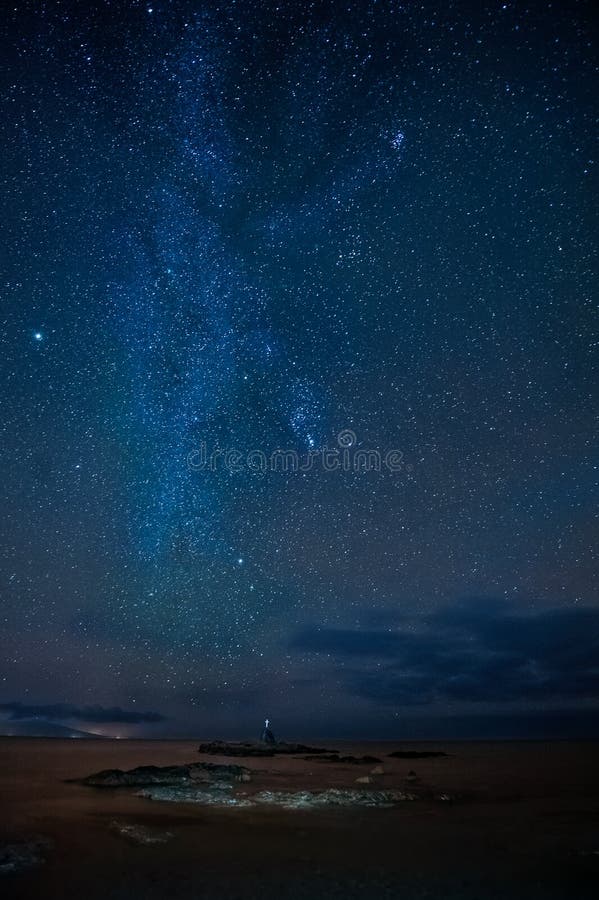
(42,728)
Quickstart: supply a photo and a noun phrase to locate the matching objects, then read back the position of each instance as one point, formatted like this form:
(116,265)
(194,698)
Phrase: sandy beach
(522,821)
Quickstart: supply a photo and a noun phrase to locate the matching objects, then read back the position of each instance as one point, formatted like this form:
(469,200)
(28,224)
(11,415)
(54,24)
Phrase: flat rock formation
(21,856)
(255,748)
(218,795)
(193,773)
(141,835)
(416,754)
(284,799)
(351,760)
(332,797)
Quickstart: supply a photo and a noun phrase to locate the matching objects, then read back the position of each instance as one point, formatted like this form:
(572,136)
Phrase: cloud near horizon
(58,712)
(479,651)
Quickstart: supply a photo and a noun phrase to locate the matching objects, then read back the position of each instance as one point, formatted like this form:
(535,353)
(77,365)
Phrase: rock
(378,770)
(21,856)
(353,760)
(140,834)
(211,773)
(365,779)
(226,748)
(252,748)
(203,796)
(284,799)
(416,754)
(208,773)
(332,797)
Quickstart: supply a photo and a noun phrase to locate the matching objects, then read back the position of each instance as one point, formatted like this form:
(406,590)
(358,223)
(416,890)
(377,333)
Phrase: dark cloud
(533,725)
(477,651)
(66,711)
(344,642)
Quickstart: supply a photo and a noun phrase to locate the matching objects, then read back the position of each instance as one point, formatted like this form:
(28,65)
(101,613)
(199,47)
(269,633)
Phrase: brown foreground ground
(526,826)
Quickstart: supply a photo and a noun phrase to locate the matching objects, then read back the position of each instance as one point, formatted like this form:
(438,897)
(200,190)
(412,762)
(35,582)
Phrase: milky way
(236,227)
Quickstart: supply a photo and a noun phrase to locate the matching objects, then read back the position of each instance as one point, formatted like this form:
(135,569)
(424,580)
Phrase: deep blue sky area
(360,234)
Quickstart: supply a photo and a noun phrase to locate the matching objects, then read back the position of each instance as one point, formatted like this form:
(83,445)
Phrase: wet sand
(526,824)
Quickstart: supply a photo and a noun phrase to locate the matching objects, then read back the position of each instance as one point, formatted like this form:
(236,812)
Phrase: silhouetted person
(267,736)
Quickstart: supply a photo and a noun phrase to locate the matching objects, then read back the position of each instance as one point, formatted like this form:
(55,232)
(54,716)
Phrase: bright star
(37,336)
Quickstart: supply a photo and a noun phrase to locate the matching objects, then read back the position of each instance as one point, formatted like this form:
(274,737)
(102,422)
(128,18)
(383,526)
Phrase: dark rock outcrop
(141,835)
(284,799)
(351,760)
(193,773)
(332,797)
(21,856)
(217,795)
(251,748)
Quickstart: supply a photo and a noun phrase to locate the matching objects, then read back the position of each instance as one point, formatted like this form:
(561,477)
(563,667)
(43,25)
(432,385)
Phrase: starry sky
(249,249)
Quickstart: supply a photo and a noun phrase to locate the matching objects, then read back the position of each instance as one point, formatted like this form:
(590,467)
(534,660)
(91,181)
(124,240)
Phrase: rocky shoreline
(218,784)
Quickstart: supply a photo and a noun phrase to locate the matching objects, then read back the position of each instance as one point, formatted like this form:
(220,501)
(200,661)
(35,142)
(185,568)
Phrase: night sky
(236,228)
